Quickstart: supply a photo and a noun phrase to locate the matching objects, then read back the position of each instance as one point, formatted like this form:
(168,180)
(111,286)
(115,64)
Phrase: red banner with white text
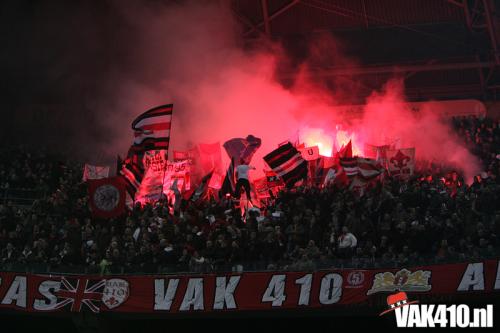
(256,291)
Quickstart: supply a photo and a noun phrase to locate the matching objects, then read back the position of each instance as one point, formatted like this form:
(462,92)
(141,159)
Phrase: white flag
(310,153)
(95,172)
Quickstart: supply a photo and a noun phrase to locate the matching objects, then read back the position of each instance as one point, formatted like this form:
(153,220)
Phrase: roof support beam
(273,16)
(491,29)
(246,22)
(265,16)
(468,19)
(353,71)
(456,3)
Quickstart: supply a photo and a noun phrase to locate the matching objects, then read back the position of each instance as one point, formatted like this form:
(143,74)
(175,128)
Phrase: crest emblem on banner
(403,280)
(116,292)
(106,197)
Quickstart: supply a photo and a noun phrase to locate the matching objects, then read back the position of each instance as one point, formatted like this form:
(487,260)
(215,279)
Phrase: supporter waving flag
(287,162)
(152,128)
(238,149)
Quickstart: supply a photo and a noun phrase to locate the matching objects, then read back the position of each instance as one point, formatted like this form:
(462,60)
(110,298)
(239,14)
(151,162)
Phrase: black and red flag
(288,164)
(132,171)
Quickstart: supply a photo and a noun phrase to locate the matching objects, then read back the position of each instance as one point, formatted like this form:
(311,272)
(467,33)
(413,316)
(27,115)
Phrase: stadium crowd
(423,220)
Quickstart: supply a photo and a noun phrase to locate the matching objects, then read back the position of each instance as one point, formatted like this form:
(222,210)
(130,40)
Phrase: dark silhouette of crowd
(424,220)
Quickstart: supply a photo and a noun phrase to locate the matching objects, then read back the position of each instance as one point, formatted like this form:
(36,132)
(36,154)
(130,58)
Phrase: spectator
(346,243)
(9,254)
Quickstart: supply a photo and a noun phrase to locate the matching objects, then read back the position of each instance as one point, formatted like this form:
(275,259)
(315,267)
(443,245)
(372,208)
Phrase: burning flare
(329,143)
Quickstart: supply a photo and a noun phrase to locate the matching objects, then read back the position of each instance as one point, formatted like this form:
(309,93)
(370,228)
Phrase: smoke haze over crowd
(101,65)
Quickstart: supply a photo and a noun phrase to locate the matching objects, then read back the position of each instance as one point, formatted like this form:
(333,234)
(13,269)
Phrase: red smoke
(388,120)
(221,91)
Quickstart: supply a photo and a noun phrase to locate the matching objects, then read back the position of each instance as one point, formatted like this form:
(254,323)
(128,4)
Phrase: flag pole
(166,155)
(163,178)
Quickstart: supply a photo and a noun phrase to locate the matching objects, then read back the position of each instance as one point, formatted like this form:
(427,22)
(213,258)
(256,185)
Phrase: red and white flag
(350,165)
(369,168)
(152,128)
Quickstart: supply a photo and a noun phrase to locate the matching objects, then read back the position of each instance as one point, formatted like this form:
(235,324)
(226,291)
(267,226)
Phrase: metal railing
(21,197)
(225,267)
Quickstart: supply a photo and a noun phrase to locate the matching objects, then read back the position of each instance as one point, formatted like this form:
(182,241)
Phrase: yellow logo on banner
(404,280)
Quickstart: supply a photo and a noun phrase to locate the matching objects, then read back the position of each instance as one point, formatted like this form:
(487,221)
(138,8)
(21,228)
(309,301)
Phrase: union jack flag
(80,291)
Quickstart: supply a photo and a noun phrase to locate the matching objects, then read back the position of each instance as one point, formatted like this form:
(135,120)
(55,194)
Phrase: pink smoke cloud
(192,55)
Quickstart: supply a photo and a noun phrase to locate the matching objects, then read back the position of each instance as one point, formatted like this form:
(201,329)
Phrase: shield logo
(116,292)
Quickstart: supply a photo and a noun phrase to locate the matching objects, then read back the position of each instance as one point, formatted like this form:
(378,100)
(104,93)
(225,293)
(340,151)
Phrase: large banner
(170,294)
(155,160)
(160,176)
(177,171)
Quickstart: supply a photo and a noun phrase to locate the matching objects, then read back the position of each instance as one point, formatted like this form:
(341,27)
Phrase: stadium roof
(442,48)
